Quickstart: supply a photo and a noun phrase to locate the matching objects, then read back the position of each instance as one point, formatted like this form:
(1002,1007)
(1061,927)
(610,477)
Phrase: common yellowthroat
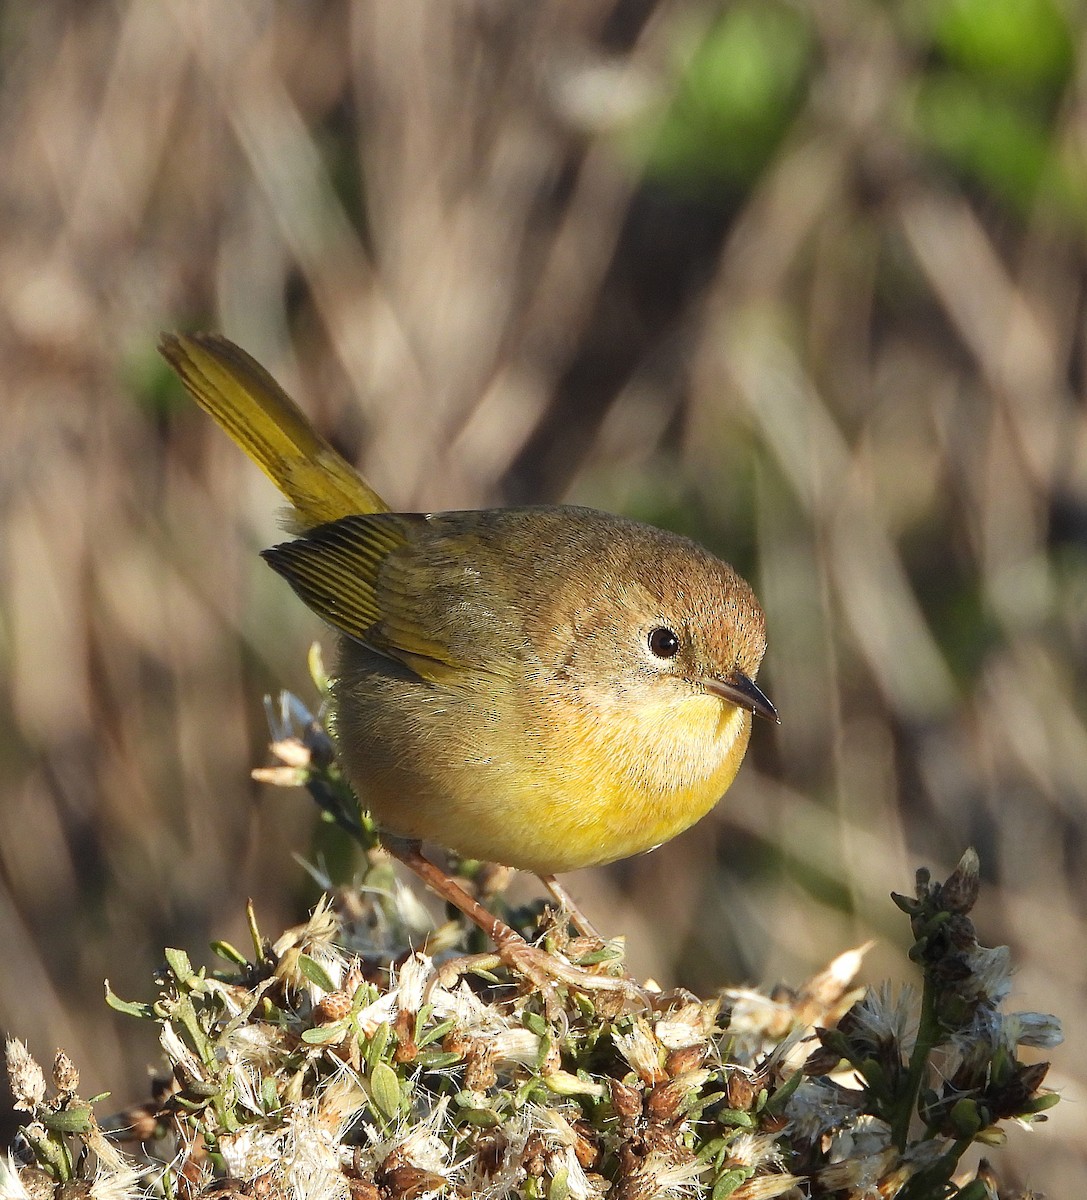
(547,688)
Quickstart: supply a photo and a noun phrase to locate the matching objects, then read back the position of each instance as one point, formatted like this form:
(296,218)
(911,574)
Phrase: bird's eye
(663,642)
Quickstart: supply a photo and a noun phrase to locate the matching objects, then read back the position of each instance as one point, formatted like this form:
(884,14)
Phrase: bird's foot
(545,972)
(543,969)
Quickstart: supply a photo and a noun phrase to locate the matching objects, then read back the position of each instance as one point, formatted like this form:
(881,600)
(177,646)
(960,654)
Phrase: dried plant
(338,1063)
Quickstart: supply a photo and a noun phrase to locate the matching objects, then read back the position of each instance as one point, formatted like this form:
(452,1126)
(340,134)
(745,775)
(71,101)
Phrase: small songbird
(548,688)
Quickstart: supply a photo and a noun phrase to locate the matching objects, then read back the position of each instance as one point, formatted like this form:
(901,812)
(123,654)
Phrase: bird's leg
(569,905)
(446,886)
(577,918)
(539,967)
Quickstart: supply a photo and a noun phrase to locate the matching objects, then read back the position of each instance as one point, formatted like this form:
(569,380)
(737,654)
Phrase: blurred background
(802,280)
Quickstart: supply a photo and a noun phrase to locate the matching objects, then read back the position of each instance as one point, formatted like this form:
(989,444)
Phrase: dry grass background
(856,378)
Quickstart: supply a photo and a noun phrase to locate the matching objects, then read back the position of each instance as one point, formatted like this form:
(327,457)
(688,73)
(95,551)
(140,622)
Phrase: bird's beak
(737,689)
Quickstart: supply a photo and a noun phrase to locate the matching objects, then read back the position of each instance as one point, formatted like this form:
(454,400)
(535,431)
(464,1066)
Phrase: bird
(548,687)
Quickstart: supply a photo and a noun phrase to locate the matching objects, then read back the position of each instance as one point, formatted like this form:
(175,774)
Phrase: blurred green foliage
(989,103)
(1025,45)
(739,91)
(985,101)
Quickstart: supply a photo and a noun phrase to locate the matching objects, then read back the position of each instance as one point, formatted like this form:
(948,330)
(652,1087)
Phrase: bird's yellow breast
(548,783)
(637,771)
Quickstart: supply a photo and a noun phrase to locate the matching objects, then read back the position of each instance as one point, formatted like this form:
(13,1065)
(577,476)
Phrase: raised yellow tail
(272,430)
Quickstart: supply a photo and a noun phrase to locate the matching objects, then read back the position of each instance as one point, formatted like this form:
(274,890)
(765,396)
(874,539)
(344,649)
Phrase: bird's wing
(387,581)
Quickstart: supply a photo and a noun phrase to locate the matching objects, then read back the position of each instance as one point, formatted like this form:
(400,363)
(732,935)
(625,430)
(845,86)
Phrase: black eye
(663,642)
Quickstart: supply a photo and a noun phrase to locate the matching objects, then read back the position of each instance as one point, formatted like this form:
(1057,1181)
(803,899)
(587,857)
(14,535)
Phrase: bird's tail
(272,430)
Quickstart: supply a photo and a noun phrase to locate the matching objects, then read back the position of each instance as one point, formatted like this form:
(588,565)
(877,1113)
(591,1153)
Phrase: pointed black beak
(737,689)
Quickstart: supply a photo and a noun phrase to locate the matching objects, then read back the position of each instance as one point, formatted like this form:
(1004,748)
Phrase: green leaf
(481,1118)
(132,1008)
(315,973)
(775,1105)
(319,1035)
(227,951)
(535,1023)
(375,1047)
(385,1090)
(184,1013)
(710,1149)
(436,1060)
(69,1120)
(435,1032)
(179,964)
(604,953)
(559,1188)
(729,1182)
(875,1076)
(736,1118)
(966,1118)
